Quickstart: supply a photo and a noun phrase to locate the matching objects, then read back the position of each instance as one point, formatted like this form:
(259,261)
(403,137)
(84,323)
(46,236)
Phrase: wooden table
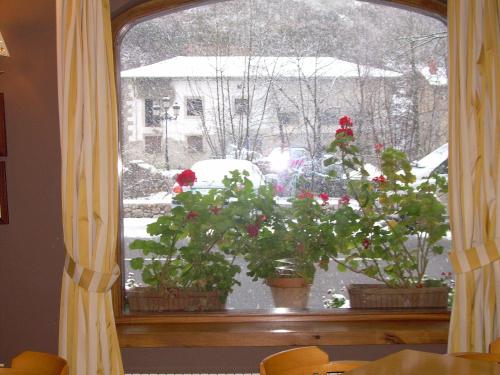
(12,371)
(412,362)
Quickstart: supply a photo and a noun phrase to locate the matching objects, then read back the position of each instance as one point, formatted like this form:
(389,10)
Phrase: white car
(434,162)
(210,173)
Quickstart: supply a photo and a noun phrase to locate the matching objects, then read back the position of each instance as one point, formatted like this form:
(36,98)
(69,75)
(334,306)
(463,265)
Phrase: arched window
(260,86)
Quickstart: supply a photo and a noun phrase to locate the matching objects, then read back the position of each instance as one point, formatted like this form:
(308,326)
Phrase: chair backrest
(280,362)
(495,346)
(488,357)
(307,360)
(328,368)
(40,363)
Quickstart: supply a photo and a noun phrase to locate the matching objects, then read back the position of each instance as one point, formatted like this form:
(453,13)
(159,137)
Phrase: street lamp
(165,101)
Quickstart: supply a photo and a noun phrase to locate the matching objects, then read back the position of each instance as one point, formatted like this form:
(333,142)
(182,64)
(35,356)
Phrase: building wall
(31,246)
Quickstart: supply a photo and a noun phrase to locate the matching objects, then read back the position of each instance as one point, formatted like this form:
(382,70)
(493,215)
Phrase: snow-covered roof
(236,66)
(437,78)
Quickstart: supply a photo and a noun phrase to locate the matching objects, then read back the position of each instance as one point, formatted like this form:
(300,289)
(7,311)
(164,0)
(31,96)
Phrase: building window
(152,112)
(241,106)
(152,144)
(194,107)
(330,116)
(195,143)
(288,118)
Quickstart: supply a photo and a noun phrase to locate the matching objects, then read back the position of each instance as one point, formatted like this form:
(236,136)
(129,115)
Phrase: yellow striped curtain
(474,171)
(88,130)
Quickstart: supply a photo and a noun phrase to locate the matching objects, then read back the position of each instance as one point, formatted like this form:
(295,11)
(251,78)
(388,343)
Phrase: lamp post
(166,106)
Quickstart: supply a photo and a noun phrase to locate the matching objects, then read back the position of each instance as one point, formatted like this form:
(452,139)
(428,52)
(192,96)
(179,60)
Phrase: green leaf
(137,263)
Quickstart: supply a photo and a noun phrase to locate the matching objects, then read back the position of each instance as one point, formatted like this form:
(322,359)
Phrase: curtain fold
(89,152)
(474,171)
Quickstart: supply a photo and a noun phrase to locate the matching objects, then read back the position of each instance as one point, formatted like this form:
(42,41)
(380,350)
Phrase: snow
(425,166)
(154,170)
(236,66)
(372,170)
(136,227)
(157,198)
(440,78)
(211,172)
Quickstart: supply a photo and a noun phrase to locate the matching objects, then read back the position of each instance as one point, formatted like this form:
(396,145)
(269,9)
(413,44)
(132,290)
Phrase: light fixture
(3,47)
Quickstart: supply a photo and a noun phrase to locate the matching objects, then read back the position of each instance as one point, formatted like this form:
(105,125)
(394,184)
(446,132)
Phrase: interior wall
(31,245)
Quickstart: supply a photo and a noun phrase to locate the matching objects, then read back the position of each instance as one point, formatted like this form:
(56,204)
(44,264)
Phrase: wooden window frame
(270,328)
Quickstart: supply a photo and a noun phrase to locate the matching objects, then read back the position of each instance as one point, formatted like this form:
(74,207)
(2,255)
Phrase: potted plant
(183,265)
(386,227)
(282,244)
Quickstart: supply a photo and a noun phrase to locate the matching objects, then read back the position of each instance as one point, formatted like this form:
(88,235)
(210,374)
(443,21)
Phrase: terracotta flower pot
(292,293)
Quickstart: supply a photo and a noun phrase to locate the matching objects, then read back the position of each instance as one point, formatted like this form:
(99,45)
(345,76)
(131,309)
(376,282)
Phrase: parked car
(283,159)
(434,162)
(210,173)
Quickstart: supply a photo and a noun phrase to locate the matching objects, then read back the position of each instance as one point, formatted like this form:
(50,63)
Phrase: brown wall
(31,246)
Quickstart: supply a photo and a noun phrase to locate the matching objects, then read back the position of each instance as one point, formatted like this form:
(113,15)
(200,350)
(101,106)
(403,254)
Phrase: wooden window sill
(341,327)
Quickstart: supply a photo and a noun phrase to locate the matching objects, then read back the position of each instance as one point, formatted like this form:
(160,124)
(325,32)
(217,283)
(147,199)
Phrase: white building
(240,103)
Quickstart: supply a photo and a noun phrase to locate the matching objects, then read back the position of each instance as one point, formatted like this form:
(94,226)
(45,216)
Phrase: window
(288,118)
(240,106)
(297,87)
(152,113)
(194,107)
(195,143)
(330,116)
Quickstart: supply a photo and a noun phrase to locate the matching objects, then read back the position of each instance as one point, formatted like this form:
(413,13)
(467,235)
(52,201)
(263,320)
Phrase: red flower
(252,230)
(324,197)
(192,215)
(366,243)
(215,210)
(305,195)
(262,218)
(379,147)
(186,178)
(343,132)
(380,179)
(345,121)
(344,200)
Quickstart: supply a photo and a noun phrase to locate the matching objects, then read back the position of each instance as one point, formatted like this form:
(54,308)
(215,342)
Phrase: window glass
(194,107)
(293,68)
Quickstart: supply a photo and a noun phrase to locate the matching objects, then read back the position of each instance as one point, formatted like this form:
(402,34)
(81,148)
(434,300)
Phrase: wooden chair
(488,357)
(306,360)
(495,346)
(40,363)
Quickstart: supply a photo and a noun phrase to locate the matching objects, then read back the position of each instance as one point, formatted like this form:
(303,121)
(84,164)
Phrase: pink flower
(186,178)
(379,147)
(344,200)
(278,189)
(366,243)
(380,179)
(192,215)
(345,121)
(252,230)
(305,195)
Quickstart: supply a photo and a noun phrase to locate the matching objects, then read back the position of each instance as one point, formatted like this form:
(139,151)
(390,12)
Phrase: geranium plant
(187,250)
(284,240)
(385,227)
